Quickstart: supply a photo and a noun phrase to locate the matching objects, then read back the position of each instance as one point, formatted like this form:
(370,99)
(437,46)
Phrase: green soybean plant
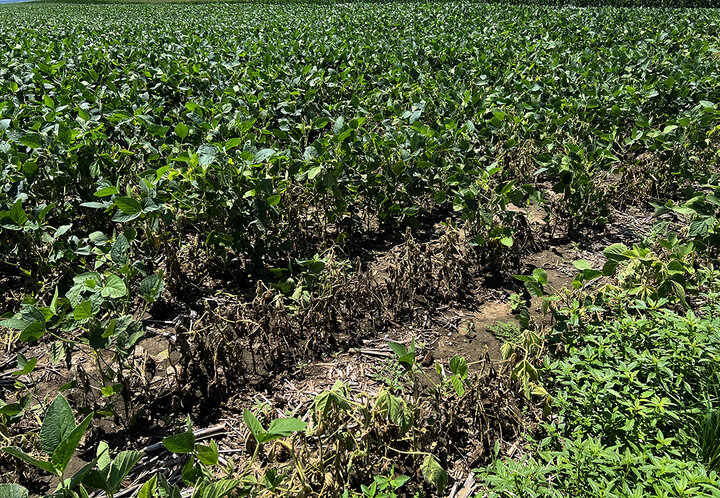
(197,471)
(59,438)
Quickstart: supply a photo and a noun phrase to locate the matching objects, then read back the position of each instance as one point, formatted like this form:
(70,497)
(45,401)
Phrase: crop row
(263,133)
(548,3)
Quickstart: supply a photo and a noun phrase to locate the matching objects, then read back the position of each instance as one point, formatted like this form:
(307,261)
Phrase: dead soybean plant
(233,338)
(454,262)
(422,273)
(428,426)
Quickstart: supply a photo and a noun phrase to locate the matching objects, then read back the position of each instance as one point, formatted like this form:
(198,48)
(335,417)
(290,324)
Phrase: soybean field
(359,249)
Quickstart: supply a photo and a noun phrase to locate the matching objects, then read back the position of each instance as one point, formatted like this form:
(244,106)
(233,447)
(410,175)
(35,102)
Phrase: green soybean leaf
(41,464)
(18,214)
(97,480)
(11,409)
(32,140)
(180,443)
(334,397)
(313,172)
(220,488)
(53,303)
(121,217)
(103,456)
(152,286)
(232,143)
(77,478)
(114,287)
(264,155)
(120,468)
(32,331)
(286,426)
(25,366)
(392,405)
(65,450)
(59,422)
(64,134)
(616,252)
(458,385)
(252,423)
(581,264)
(105,191)
(701,226)
(148,489)
(208,455)
(540,276)
(458,366)
(97,205)
(98,237)
(13,491)
(119,250)
(111,390)
(182,130)
(83,311)
(206,155)
(15,323)
(128,205)
(434,473)
(191,474)
(399,349)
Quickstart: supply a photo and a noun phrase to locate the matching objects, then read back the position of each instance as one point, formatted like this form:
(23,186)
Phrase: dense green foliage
(261,125)
(635,399)
(558,3)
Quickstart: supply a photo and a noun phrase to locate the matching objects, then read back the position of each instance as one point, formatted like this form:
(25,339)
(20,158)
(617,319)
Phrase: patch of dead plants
(433,429)
(234,338)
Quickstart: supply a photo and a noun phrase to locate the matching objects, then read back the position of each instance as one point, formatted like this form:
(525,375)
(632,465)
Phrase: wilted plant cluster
(323,312)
